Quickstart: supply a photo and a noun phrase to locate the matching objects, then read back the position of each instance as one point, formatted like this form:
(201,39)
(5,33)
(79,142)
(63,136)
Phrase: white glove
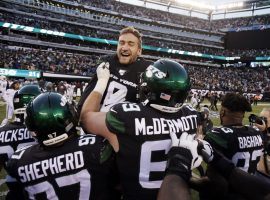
(103,75)
(187,141)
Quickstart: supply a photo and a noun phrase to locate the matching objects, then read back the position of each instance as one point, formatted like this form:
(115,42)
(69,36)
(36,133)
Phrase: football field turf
(3,187)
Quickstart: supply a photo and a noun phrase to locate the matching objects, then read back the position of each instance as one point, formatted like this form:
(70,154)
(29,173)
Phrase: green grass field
(215,119)
(3,187)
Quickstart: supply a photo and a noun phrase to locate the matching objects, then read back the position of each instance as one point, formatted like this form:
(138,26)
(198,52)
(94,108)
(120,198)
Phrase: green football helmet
(51,119)
(23,96)
(164,85)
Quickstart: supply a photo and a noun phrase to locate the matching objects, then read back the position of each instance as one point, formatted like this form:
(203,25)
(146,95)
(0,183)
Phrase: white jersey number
(116,93)
(9,151)
(146,166)
(243,160)
(82,177)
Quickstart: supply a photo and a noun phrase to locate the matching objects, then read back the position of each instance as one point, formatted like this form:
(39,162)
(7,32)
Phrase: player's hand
(188,142)
(103,71)
(103,75)
(205,150)
(262,127)
(215,158)
(183,156)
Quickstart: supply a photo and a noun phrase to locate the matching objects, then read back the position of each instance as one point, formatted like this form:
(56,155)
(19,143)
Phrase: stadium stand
(36,50)
(67,37)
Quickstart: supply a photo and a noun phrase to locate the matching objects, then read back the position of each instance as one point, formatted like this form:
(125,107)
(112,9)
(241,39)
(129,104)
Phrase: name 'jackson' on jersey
(242,145)
(76,170)
(144,141)
(13,136)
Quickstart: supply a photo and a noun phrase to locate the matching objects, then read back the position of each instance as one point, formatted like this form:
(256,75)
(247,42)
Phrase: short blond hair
(133,31)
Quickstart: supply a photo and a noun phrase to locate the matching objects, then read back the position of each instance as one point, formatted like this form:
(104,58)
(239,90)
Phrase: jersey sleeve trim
(216,140)
(114,124)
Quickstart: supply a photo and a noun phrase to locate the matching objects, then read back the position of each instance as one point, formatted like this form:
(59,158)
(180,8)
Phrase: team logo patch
(153,71)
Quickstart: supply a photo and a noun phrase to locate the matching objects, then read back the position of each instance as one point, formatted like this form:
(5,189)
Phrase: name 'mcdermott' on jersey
(144,141)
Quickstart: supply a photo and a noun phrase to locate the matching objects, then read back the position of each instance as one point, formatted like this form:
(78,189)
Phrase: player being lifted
(125,67)
(63,165)
(139,133)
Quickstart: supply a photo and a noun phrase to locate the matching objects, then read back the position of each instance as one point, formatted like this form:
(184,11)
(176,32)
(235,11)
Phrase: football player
(15,135)
(181,160)
(139,132)
(63,165)
(125,66)
(8,98)
(241,144)
(180,163)
(3,85)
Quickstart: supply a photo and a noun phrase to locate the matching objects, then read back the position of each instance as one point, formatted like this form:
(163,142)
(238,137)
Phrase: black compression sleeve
(250,186)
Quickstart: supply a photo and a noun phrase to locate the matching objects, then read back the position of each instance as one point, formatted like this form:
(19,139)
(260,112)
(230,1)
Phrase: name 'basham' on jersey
(144,141)
(76,170)
(243,145)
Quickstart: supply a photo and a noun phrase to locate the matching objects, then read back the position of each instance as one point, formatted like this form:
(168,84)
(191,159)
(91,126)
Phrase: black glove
(179,162)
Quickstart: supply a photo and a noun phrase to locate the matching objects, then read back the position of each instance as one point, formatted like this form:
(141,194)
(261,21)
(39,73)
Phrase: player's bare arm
(92,120)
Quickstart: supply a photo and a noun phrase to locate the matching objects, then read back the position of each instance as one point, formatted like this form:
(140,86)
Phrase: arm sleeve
(217,140)
(86,92)
(250,186)
(113,119)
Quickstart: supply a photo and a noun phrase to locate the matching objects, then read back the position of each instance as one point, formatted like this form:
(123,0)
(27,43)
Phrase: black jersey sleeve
(11,168)
(86,92)
(218,139)
(250,186)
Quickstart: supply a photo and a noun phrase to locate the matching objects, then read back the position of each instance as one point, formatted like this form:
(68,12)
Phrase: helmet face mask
(51,118)
(165,83)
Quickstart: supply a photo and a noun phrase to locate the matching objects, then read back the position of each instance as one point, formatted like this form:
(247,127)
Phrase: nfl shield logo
(122,72)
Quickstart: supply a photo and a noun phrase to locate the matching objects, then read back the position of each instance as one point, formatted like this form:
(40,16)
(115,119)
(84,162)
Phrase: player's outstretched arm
(91,120)
(92,102)
(250,186)
(182,158)
(174,187)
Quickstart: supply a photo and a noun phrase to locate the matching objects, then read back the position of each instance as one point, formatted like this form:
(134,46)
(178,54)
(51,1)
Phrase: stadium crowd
(210,78)
(151,38)
(195,23)
(163,40)
(132,103)
(50,61)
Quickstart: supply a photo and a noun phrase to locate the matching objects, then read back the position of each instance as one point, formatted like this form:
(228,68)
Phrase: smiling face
(128,48)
